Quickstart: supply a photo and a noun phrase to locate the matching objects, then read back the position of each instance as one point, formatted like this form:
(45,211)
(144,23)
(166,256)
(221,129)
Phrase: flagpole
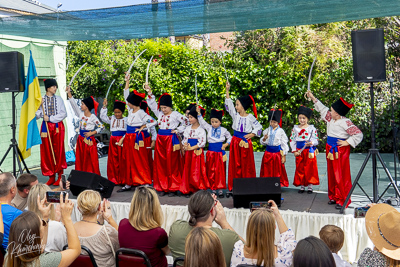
(48,134)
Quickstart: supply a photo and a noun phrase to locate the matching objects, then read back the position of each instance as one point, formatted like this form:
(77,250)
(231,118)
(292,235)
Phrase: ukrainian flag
(28,131)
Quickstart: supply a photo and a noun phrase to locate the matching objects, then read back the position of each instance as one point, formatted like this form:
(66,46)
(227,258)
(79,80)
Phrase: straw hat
(383,227)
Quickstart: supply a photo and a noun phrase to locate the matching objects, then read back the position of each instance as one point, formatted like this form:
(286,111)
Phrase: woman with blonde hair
(260,248)
(203,248)
(57,235)
(143,230)
(102,240)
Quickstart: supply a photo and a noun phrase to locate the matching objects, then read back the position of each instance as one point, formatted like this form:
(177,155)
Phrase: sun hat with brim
(382,222)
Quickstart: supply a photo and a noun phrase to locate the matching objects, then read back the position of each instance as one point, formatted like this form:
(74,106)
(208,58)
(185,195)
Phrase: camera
(54,197)
(259,205)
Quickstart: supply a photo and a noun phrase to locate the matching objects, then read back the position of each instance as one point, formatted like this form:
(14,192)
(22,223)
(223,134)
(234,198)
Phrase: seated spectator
(312,252)
(333,237)
(24,183)
(8,190)
(204,209)
(259,248)
(101,239)
(57,235)
(203,248)
(1,228)
(143,228)
(383,228)
(29,231)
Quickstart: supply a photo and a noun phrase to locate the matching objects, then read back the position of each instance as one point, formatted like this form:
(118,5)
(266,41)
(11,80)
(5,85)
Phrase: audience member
(203,248)
(102,240)
(312,252)
(333,237)
(143,228)
(24,183)
(28,232)
(203,208)
(1,228)
(382,222)
(8,190)
(260,248)
(57,235)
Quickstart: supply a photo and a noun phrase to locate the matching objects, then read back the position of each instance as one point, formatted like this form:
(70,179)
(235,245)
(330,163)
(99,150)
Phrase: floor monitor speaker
(81,181)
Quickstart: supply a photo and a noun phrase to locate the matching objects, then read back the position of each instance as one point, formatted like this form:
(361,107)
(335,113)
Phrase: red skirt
(167,166)
(87,159)
(306,170)
(137,169)
(339,175)
(147,145)
(115,162)
(194,176)
(46,156)
(271,166)
(241,161)
(216,170)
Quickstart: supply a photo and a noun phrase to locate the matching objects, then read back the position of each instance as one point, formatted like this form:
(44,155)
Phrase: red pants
(194,176)
(46,156)
(272,166)
(168,165)
(115,162)
(87,159)
(339,175)
(306,170)
(216,170)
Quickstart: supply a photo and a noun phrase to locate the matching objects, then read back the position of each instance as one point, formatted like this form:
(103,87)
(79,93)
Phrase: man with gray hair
(8,190)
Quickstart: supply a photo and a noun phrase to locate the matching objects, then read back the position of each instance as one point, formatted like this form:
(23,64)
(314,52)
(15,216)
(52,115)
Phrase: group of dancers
(179,163)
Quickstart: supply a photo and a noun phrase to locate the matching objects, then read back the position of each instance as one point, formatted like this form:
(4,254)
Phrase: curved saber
(76,73)
(109,88)
(195,87)
(309,75)
(130,67)
(226,74)
(147,71)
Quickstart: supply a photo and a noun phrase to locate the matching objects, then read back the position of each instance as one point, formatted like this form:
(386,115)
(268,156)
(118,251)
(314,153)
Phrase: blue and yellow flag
(29,135)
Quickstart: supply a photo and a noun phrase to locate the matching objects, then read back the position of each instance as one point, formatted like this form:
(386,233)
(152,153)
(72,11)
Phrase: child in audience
(333,237)
(87,159)
(305,137)
(275,140)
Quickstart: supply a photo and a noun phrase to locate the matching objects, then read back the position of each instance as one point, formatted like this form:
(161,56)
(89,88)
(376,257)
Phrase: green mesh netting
(192,17)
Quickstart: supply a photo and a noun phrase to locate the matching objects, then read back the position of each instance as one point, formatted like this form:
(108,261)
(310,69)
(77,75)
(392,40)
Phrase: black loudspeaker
(81,181)
(12,75)
(246,190)
(368,56)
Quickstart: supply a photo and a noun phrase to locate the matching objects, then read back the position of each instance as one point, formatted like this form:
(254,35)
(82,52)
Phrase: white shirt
(341,128)
(56,237)
(339,262)
(138,118)
(299,134)
(173,121)
(59,108)
(276,137)
(215,135)
(86,123)
(199,134)
(115,124)
(248,124)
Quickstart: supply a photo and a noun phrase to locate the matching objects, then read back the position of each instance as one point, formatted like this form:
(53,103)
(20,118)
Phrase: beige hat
(383,227)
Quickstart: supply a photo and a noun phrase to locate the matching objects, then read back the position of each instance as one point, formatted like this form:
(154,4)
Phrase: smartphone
(54,196)
(258,205)
(64,181)
(360,212)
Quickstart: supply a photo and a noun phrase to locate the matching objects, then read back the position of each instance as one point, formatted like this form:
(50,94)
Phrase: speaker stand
(17,155)
(373,152)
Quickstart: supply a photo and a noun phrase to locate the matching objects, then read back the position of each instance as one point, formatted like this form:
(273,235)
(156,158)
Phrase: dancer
(150,139)
(216,157)
(194,176)
(245,126)
(168,160)
(137,166)
(87,159)
(275,140)
(115,162)
(52,155)
(303,142)
(342,134)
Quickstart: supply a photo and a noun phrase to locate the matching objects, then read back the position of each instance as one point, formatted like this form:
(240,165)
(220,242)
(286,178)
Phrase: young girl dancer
(168,160)
(215,156)
(245,126)
(194,176)
(275,140)
(86,148)
(150,136)
(115,162)
(303,142)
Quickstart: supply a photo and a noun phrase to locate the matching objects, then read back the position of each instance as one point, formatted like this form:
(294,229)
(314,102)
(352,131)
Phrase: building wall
(218,44)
